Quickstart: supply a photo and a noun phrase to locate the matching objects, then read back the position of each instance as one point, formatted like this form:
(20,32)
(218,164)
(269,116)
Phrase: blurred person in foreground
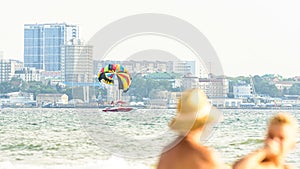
(195,117)
(280,139)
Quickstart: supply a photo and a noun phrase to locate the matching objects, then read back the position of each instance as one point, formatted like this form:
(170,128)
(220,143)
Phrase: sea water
(89,138)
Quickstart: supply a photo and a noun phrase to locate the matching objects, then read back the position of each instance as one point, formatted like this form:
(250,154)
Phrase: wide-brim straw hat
(194,112)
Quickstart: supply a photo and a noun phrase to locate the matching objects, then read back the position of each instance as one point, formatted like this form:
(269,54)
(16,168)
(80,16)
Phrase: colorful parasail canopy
(108,73)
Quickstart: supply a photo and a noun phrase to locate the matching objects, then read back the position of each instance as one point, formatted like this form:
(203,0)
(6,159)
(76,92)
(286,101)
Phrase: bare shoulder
(207,151)
(211,156)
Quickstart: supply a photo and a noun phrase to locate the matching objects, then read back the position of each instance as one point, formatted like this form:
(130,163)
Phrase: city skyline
(250,38)
(43,42)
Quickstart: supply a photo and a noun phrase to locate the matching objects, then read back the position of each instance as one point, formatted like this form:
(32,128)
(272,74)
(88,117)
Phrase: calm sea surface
(90,138)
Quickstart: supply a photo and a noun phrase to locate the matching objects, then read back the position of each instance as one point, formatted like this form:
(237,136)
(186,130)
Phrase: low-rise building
(284,85)
(17,99)
(214,87)
(190,81)
(43,99)
(226,102)
(242,91)
(29,74)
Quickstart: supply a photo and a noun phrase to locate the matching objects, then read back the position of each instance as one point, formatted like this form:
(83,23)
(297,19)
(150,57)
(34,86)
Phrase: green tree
(263,86)
(69,93)
(5,87)
(142,87)
(38,88)
(14,85)
(295,89)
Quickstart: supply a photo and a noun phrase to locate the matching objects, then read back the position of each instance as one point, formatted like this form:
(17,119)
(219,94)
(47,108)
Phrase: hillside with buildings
(59,70)
(149,87)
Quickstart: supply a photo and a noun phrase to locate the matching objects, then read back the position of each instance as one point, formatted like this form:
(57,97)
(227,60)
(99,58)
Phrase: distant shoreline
(100,108)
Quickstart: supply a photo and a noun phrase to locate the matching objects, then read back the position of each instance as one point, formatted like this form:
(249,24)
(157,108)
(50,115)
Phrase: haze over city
(257,37)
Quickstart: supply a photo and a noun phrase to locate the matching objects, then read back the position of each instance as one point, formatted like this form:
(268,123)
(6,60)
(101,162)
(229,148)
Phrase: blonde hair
(284,118)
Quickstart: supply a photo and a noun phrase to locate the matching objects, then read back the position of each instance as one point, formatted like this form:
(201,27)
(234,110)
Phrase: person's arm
(255,159)
(289,167)
(252,160)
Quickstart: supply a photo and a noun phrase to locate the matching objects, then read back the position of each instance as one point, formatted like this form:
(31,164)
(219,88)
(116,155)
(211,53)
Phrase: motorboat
(117,109)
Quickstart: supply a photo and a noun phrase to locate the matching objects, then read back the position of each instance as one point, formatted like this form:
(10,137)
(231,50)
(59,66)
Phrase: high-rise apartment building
(43,42)
(77,69)
(77,62)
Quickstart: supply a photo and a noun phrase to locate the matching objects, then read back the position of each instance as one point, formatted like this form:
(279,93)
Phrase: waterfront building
(214,87)
(45,99)
(42,44)
(29,74)
(190,81)
(17,99)
(243,91)
(8,68)
(20,97)
(226,102)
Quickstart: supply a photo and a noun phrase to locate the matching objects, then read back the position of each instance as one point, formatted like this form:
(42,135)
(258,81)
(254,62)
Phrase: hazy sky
(250,37)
